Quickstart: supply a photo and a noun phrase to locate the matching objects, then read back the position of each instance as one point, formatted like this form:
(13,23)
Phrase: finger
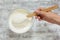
(36,17)
(41,8)
(37,11)
(39,18)
(40,12)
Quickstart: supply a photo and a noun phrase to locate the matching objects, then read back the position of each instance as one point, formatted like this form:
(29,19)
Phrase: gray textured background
(41,31)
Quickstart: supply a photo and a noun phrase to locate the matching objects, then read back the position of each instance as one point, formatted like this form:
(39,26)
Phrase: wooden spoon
(47,9)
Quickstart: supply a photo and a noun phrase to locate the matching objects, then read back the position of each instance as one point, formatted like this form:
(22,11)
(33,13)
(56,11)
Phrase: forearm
(53,18)
(56,18)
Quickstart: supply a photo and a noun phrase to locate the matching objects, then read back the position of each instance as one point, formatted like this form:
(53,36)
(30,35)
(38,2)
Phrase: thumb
(41,12)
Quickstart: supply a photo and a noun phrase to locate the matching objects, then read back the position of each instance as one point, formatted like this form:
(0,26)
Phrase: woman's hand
(41,14)
(47,16)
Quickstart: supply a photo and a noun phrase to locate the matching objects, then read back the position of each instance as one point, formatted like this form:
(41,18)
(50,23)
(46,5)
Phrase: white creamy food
(20,20)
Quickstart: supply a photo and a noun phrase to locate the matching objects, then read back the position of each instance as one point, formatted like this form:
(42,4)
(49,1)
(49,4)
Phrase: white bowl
(22,29)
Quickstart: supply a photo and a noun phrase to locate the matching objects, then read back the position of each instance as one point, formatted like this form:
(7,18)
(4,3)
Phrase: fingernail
(36,17)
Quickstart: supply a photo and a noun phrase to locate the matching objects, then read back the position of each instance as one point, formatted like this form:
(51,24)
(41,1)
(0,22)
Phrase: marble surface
(40,30)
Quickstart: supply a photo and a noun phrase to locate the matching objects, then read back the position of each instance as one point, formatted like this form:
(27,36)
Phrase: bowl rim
(11,27)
